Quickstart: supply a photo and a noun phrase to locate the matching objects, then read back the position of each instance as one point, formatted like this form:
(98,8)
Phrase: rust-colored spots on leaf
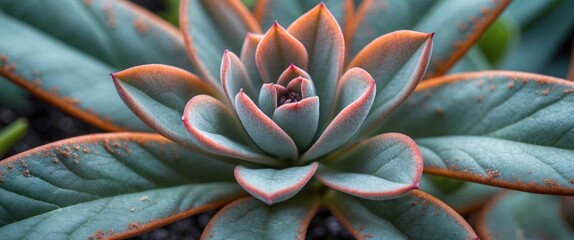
(55,160)
(141,26)
(26,173)
(490,174)
(479,98)
(87,2)
(491,88)
(86,150)
(568,91)
(545,92)
(510,85)
(133,226)
(97,235)
(551,183)
(3,58)
(462,26)
(109,12)
(571,181)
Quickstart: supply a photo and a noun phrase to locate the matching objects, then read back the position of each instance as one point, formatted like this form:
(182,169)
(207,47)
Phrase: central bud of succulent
(291,97)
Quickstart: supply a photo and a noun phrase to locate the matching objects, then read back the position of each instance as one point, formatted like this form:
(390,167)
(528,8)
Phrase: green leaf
(457,25)
(397,61)
(274,185)
(382,167)
(516,215)
(285,12)
(249,218)
(71,62)
(415,216)
(464,198)
(157,94)
(12,96)
(499,38)
(108,184)
(10,134)
(211,27)
(473,126)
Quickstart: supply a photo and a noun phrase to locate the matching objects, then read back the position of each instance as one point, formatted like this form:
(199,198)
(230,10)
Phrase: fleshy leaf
(285,12)
(515,215)
(157,94)
(268,97)
(264,132)
(272,185)
(303,86)
(410,217)
(397,61)
(278,50)
(323,39)
(248,57)
(63,76)
(458,24)
(249,218)
(234,77)
(214,128)
(465,198)
(382,167)
(299,120)
(356,92)
(290,73)
(211,27)
(99,185)
(487,126)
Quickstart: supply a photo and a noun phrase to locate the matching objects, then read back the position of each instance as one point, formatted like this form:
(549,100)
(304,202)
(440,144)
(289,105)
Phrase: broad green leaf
(274,185)
(473,126)
(210,27)
(519,215)
(112,185)
(323,39)
(157,94)
(541,36)
(397,62)
(71,62)
(499,38)
(464,198)
(285,12)
(382,167)
(10,134)
(415,216)
(457,25)
(249,218)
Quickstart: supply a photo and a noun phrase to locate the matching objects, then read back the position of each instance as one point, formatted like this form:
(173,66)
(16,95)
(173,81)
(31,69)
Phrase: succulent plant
(283,124)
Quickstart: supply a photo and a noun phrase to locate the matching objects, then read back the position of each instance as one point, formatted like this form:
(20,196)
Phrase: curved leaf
(249,218)
(415,216)
(71,61)
(276,52)
(215,129)
(112,185)
(397,61)
(264,132)
(291,73)
(63,76)
(323,39)
(234,77)
(516,215)
(247,57)
(458,24)
(356,92)
(285,12)
(211,27)
(271,185)
(465,198)
(268,97)
(157,94)
(290,117)
(525,113)
(383,167)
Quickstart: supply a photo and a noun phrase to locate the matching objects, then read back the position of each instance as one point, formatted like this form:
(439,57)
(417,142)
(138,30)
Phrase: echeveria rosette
(288,111)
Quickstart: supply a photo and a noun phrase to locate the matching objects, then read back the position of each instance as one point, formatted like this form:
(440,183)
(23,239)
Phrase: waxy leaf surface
(157,94)
(211,27)
(415,216)
(501,128)
(68,65)
(515,215)
(272,185)
(100,185)
(457,25)
(382,167)
(285,12)
(249,218)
